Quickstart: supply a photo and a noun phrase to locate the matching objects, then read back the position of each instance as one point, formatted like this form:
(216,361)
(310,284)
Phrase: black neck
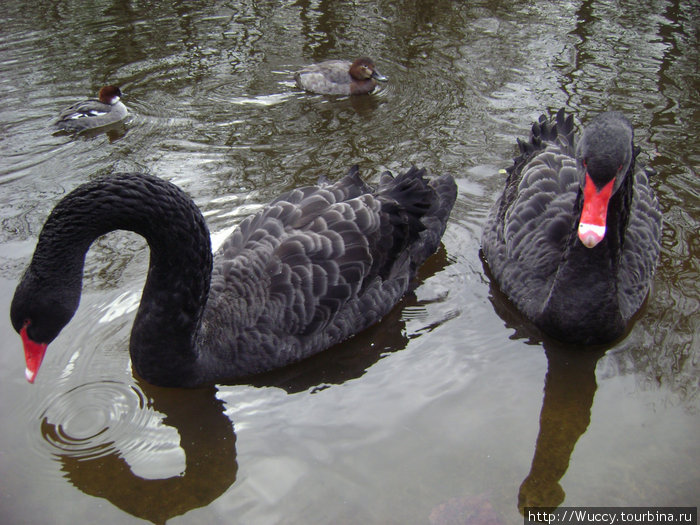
(176,289)
(589,276)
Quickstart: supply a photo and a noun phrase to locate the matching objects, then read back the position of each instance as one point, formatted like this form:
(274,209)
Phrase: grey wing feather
(535,228)
(319,264)
(86,108)
(643,230)
(303,257)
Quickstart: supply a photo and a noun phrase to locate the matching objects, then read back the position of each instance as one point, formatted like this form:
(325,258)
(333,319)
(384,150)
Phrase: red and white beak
(591,228)
(33,354)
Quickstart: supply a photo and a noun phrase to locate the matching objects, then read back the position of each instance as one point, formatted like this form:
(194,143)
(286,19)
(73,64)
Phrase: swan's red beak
(33,354)
(591,228)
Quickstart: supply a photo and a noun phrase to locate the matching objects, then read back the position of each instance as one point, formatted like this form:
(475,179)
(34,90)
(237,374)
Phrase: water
(453,407)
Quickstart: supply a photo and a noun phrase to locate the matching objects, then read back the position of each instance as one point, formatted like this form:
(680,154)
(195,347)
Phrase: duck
(340,77)
(93,113)
(310,269)
(574,237)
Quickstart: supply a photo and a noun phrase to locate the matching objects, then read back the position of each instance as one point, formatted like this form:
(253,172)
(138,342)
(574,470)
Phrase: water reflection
(569,389)
(113,132)
(93,465)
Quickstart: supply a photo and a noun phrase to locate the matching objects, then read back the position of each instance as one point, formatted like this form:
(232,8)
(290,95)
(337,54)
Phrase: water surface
(453,407)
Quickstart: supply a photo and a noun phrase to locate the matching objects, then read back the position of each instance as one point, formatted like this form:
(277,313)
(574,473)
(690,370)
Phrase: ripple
(88,420)
(125,303)
(221,93)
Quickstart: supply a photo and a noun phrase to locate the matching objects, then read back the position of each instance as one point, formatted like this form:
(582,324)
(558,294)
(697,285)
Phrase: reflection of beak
(376,75)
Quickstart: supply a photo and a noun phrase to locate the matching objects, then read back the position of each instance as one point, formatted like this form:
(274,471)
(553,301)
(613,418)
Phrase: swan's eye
(26,325)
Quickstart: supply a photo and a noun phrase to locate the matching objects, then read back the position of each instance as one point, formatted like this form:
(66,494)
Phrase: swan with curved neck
(574,238)
(309,270)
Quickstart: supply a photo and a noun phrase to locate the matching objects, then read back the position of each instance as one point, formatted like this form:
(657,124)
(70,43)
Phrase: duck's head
(603,156)
(110,95)
(364,69)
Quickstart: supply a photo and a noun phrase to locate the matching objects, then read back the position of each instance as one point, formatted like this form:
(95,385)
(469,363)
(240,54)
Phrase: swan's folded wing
(641,247)
(320,263)
(294,265)
(323,263)
(524,238)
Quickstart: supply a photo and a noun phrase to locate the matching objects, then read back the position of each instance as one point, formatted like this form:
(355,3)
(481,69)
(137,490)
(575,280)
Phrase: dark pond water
(452,408)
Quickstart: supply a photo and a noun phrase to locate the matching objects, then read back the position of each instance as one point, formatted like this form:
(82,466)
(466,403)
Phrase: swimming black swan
(574,238)
(309,270)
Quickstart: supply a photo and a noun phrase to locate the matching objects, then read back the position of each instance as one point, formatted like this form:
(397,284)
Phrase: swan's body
(309,270)
(574,238)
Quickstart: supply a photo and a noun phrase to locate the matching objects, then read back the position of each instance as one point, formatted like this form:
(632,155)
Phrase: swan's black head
(39,313)
(604,155)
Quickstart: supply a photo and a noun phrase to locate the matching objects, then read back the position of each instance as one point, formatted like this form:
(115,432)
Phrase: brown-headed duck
(93,113)
(340,77)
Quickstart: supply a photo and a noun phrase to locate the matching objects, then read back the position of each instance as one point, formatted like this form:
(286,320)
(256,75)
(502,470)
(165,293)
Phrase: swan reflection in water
(206,436)
(95,465)
(569,389)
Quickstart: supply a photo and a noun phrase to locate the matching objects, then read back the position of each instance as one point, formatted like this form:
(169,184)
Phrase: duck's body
(340,77)
(309,270)
(93,113)
(574,238)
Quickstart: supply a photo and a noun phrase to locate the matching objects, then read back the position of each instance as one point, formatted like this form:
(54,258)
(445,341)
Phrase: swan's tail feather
(435,221)
(560,129)
(421,205)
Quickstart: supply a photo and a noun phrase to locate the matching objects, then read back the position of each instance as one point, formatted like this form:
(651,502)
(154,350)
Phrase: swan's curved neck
(177,285)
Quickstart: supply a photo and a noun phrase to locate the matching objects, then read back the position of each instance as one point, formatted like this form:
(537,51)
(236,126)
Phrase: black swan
(312,268)
(574,238)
